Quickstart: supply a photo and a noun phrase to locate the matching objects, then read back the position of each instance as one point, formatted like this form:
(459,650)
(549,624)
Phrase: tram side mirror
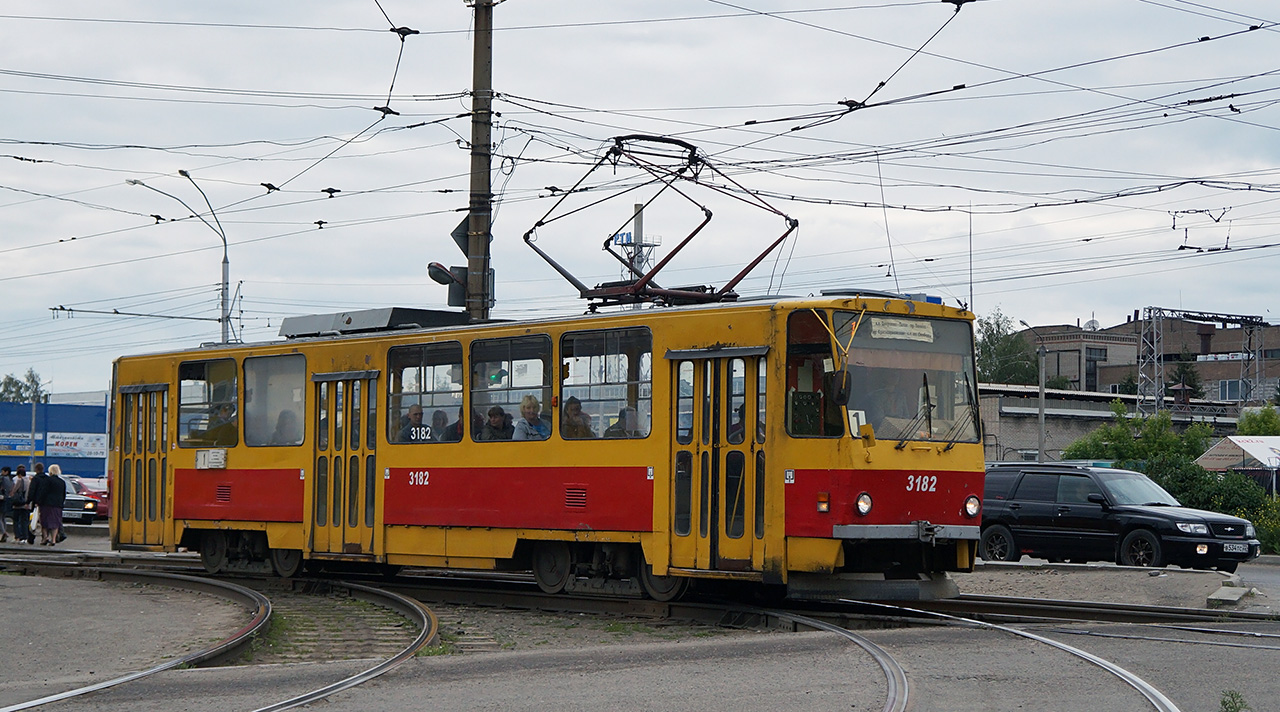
(838,384)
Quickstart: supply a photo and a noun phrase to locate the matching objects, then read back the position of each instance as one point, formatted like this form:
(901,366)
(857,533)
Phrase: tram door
(141,484)
(344,484)
(716,454)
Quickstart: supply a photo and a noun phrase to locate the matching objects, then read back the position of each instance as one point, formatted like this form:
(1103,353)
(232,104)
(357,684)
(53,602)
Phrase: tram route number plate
(1236,548)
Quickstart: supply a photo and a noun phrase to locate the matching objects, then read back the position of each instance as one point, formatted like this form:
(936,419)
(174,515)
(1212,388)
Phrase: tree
(1134,441)
(13,390)
(1186,374)
(1265,421)
(1129,386)
(1003,355)
(1060,382)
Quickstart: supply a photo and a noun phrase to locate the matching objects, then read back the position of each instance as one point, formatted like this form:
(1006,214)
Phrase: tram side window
(810,412)
(273,399)
(684,402)
(208,404)
(424,396)
(606,384)
(511,378)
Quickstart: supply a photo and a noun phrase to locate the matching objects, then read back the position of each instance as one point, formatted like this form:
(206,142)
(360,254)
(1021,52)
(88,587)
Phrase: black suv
(1059,511)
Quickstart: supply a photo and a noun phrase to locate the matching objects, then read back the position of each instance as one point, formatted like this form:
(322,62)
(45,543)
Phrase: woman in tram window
(531,426)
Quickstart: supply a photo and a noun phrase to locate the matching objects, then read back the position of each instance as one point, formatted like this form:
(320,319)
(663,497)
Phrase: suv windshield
(1135,488)
(911,378)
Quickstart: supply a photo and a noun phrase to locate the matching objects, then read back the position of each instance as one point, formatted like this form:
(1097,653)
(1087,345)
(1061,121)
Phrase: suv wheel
(997,544)
(1141,548)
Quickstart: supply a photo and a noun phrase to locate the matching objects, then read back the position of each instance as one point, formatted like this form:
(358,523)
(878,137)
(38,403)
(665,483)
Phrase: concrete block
(1227,596)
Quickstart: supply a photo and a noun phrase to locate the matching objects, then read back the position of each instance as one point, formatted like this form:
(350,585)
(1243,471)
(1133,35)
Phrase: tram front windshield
(910,378)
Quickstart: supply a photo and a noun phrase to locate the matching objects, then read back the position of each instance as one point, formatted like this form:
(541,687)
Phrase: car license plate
(1234,548)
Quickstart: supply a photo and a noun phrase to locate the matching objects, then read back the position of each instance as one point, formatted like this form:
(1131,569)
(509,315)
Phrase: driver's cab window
(208,404)
(811,411)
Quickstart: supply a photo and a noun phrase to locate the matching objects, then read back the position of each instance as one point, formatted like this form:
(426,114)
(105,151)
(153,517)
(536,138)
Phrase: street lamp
(225,297)
(1041,352)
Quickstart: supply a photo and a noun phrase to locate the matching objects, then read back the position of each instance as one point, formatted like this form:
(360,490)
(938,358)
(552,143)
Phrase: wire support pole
(1041,352)
(481,202)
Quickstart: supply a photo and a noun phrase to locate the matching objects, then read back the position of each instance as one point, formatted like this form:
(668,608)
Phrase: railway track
(996,613)
(362,615)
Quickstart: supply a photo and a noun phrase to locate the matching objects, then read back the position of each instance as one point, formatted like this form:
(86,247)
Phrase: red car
(96,490)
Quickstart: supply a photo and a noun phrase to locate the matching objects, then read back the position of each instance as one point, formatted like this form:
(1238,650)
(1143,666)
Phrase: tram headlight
(864,504)
(824,501)
(972,505)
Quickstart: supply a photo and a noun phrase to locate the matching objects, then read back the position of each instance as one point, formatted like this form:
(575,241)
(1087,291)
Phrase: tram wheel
(552,566)
(286,562)
(213,551)
(662,588)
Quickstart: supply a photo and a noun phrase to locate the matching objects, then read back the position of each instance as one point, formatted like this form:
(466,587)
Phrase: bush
(1267,522)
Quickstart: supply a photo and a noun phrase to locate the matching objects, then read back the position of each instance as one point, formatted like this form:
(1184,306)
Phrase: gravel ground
(471,629)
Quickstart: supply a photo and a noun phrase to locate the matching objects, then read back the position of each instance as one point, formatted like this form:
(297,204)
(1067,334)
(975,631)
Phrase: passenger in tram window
(573,422)
(288,429)
(626,426)
(531,426)
(439,423)
(455,431)
(414,431)
(498,426)
(223,430)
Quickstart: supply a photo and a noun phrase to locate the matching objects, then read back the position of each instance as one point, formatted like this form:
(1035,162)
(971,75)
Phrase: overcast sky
(1047,158)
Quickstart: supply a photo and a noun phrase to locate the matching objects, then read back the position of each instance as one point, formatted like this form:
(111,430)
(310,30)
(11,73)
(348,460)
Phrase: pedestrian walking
(54,496)
(6,505)
(20,505)
(35,495)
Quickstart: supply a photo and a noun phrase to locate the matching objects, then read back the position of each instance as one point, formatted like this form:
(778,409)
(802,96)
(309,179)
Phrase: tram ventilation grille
(222,493)
(575,497)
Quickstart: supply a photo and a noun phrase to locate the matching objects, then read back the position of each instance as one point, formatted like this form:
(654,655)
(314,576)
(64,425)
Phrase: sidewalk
(90,537)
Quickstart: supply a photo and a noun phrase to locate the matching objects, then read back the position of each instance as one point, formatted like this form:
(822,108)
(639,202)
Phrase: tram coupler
(925,531)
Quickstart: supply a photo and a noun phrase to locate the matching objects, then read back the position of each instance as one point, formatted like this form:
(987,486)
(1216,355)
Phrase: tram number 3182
(919,483)
(423,477)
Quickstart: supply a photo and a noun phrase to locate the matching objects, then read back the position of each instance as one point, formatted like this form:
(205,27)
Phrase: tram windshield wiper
(970,415)
(925,415)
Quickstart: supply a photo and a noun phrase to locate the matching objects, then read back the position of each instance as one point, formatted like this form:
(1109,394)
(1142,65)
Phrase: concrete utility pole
(481,204)
(1041,351)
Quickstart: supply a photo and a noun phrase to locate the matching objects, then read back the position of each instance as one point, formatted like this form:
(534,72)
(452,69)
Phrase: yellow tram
(818,443)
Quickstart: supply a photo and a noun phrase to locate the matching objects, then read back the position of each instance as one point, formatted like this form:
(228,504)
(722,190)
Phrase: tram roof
(385,321)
